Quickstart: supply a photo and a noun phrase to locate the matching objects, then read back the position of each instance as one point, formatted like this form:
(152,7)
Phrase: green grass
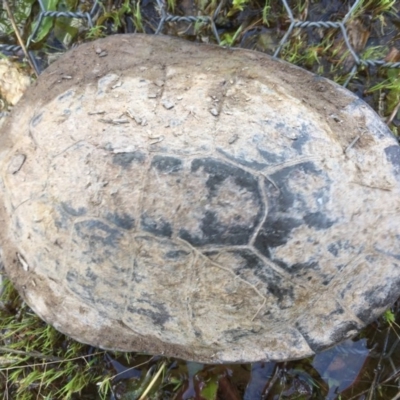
(39,362)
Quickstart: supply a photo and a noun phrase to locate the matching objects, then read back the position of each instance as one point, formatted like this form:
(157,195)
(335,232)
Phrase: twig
(151,384)
(274,378)
(20,41)
(393,114)
(353,142)
(396,397)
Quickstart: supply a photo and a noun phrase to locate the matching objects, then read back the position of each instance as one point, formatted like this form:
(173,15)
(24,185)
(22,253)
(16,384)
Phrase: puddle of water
(340,366)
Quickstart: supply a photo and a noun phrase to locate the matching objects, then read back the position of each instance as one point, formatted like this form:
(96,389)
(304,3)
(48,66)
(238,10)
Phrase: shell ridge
(97,195)
(188,294)
(297,161)
(130,289)
(252,167)
(69,252)
(306,339)
(384,189)
(264,197)
(69,147)
(143,180)
(270,263)
(161,90)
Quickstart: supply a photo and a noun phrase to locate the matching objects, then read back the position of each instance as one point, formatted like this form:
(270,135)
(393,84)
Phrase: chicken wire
(166,17)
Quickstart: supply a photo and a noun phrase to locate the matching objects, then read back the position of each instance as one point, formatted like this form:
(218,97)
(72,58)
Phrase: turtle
(215,205)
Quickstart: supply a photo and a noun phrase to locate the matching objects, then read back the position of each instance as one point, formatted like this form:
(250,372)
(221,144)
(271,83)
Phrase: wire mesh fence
(211,21)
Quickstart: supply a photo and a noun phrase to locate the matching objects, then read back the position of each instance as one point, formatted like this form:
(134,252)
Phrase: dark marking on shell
(157,227)
(214,229)
(126,159)
(36,119)
(109,304)
(124,221)
(273,281)
(218,172)
(393,156)
(216,232)
(250,261)
(122,271)
(157,311)
(283,200)
(84,288)
(283,203)
(304,267)
(336,247)
(339,332)
(166,164)
(94,231)
(65,95)
(63,219)
(393,254)
(379,297)
(176,254)
(274,233)
(197,333)
(333,248)
(341,329)
(318,220)
(271,158)
(72,211)
(303,136)
(233,335)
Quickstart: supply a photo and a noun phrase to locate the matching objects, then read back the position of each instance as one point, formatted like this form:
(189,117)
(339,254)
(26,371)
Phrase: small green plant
(387,93)
(265,12)
(22,10)
(374,52)
(95,32)
(171,5)
(377,7)
(116,15)
(43,27)
(389,317)
(137,17)
(237,5)
(228,39)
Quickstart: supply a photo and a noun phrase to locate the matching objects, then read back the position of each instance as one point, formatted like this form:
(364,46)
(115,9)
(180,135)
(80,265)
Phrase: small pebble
(214,112)
(16,163)
(168,104)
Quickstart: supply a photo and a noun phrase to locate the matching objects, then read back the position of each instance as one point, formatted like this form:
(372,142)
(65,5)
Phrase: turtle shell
(210,204)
